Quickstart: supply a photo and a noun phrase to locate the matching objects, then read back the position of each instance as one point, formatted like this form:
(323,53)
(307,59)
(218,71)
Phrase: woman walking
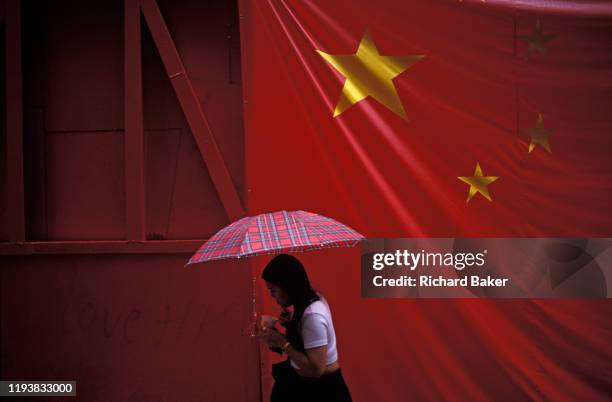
(311,371)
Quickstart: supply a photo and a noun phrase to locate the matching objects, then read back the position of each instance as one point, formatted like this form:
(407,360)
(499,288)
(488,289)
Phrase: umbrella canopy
(282,231)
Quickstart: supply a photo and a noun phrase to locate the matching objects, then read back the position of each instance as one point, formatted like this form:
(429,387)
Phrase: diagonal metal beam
(14,123)
(134,127)
(192,109)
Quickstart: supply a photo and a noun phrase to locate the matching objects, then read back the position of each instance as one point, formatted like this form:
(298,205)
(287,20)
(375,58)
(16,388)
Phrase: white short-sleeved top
(318,329)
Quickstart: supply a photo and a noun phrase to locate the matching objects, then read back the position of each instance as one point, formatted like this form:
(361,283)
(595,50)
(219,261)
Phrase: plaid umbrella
(274,232)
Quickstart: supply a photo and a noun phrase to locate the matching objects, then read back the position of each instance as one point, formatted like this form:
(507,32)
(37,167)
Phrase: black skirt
(289,386)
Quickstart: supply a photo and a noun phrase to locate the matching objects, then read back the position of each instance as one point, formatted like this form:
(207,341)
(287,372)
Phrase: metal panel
(4,227)
(85,198)
(104,303)
(74,69)
(82,44)
(134,127)
(130,327)
(14,123)
(192,109)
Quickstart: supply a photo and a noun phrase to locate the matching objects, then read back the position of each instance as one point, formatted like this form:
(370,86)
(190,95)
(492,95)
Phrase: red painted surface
(125,319)
(194,114)
(3,167)
(14,123)
(134,127)
(74,117)
(129,327)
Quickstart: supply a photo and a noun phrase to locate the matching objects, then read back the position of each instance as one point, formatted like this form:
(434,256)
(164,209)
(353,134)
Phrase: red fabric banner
(440,118)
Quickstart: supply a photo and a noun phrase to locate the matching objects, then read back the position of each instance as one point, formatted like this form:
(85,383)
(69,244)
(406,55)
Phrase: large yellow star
(369,74)
(539,135)
(478,183)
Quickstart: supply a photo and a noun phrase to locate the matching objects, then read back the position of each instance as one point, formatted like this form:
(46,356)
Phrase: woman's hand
(273,338)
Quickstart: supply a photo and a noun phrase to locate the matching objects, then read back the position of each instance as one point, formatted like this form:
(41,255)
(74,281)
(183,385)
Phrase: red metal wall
(3,167)
(73,115)
(125,320)
(129,327)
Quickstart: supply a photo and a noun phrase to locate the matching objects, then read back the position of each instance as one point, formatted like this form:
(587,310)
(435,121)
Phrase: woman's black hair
(288,273)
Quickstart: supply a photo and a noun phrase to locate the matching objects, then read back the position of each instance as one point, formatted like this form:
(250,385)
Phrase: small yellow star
(539,135)
(478,183)
(369,74)
(537,40)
